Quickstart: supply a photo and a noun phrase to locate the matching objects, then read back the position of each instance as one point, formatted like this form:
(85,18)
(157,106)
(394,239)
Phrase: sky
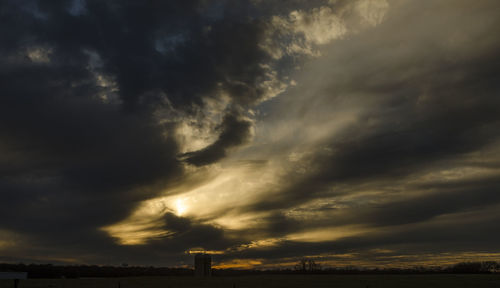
(361,133)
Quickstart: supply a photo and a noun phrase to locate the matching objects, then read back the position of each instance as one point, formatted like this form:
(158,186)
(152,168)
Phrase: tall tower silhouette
(202,265)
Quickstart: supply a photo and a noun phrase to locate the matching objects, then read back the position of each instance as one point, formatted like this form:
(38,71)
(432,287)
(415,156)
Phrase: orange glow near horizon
(361,261)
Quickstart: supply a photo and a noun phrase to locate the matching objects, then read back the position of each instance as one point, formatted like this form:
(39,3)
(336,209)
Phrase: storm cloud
(255,130)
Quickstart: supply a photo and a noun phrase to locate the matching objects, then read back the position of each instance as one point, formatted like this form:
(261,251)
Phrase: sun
(180,207)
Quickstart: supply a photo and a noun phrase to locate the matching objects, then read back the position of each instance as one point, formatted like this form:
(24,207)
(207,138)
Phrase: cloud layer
(355,132)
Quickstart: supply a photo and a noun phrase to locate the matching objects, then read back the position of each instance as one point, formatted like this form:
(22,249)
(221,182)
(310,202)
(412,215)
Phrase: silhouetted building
(203,265)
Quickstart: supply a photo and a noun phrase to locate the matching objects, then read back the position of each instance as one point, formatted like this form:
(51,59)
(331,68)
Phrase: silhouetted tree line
(304,266)
(307,266)
(81,271)
(476,267)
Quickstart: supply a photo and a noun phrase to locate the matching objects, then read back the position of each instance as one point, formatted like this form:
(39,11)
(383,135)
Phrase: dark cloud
(234,131)
(73,162)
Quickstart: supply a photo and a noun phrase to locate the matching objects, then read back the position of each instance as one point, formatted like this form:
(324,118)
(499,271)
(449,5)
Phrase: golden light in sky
(180,207)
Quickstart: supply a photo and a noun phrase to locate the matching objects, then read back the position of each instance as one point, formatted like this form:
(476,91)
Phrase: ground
(278,281)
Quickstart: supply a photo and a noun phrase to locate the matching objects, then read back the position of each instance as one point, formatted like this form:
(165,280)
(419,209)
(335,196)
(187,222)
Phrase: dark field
(288,281)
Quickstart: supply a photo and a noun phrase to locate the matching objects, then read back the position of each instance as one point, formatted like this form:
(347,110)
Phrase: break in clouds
(358,132)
